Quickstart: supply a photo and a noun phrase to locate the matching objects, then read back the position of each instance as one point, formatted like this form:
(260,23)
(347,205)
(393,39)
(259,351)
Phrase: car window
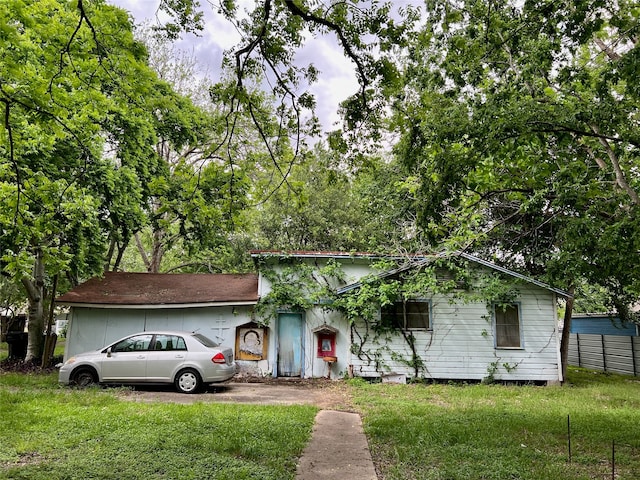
(207,342)
(169,342)
(133,344)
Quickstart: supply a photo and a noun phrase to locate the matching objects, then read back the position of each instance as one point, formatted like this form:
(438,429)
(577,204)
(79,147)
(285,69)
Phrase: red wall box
(326,344)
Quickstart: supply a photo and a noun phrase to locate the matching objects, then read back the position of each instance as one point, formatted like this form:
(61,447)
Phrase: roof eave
(421,260)
(159,305)
(333,255)
(525,278)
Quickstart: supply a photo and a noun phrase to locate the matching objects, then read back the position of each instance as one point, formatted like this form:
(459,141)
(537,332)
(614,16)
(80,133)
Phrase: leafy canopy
(522,121)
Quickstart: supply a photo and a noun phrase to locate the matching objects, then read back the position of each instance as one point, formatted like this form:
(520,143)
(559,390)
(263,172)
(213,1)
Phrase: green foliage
(297,286)
(493,368)
(329,204)
(61,100)
(274,32)
(196,198)
(12,298)
(291,289)
(536,162)
(313,210)
(81,115)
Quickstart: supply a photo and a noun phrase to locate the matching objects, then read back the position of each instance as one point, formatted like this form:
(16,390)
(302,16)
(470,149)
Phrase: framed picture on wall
(251,342)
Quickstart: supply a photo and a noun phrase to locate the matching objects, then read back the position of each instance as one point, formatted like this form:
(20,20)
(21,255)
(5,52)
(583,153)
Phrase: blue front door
(290,345)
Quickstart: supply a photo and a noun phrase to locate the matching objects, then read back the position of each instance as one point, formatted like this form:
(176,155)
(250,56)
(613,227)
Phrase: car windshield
(207,342)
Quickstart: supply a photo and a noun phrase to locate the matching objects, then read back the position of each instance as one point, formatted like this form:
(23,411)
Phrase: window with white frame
(507,326)
(410,314)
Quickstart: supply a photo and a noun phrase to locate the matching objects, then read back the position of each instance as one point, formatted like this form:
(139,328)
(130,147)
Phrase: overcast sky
(336,81)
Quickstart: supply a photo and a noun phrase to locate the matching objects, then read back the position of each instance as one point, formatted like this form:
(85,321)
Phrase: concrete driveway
(325,394)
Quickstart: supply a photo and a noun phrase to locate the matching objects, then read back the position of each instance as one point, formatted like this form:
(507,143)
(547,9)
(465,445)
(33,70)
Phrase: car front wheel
(188,381)
(84,377)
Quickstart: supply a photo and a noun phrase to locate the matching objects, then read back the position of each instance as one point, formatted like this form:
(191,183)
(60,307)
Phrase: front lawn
(50,432)
(415,432)
(504,432)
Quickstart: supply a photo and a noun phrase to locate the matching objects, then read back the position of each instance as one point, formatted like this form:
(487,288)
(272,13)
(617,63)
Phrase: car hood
(88,354)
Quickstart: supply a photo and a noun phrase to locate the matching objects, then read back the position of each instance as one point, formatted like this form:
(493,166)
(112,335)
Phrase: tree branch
(295,9)
(12,159)
(143,253)
(620,177)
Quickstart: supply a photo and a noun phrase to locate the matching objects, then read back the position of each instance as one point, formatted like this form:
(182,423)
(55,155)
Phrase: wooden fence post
(633,357)
(579,354)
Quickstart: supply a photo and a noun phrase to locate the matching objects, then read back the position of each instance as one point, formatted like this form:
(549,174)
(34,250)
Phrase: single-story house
(434,333)
(602,324)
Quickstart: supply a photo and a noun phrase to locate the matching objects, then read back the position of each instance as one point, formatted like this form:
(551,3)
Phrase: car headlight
(70,361)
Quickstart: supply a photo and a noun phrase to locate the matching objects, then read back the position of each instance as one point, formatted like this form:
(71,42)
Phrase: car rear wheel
(85,377)
(188,381)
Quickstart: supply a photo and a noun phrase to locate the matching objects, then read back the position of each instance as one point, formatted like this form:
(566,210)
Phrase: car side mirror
(109,352)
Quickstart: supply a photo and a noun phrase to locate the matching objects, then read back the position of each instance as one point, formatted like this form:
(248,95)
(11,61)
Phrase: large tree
(76,143)
(315,210)
(523,121)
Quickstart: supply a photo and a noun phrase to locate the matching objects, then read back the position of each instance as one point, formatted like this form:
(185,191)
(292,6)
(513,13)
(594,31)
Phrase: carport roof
(160,289)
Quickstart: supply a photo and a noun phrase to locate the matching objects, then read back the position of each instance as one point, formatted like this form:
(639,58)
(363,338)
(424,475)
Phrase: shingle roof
(118,288)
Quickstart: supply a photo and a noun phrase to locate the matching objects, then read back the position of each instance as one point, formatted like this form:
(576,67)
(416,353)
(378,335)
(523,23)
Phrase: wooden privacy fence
(608,353)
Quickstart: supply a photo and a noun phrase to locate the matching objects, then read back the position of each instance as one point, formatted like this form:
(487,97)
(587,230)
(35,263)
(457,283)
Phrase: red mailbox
(326,344)
(326,337)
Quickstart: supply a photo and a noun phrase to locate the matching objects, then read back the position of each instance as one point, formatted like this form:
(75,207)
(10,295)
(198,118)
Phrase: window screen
(507,326)
(412,314)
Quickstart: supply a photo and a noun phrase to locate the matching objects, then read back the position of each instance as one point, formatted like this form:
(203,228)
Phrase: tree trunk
(564,342)
(35,294)
(157,252)
(50,338)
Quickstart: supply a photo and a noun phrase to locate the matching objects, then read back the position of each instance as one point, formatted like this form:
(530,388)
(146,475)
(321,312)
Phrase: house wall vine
(354,269)
(461,344)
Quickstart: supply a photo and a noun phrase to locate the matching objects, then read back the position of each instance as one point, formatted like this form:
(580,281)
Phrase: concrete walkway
(338,449)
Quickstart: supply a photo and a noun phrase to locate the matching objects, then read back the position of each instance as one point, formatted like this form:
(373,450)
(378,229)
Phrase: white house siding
(314,366)
(461,343)
(92,328)
(460,346)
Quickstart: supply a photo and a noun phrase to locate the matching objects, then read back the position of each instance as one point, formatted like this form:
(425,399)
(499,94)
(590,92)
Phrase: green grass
(50,432)
(414,431)
(504,432)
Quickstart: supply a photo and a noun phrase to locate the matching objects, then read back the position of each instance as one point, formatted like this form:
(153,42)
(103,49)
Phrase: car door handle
(179,356)
(141,357)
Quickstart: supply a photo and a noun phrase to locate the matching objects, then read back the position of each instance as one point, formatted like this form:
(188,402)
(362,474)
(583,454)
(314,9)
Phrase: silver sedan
(188,360)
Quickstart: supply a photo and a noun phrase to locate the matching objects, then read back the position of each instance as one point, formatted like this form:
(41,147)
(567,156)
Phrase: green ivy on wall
(298,285)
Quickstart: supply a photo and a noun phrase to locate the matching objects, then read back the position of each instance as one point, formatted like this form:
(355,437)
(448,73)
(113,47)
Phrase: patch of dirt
(323,393)
(26,459)
(20,366)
